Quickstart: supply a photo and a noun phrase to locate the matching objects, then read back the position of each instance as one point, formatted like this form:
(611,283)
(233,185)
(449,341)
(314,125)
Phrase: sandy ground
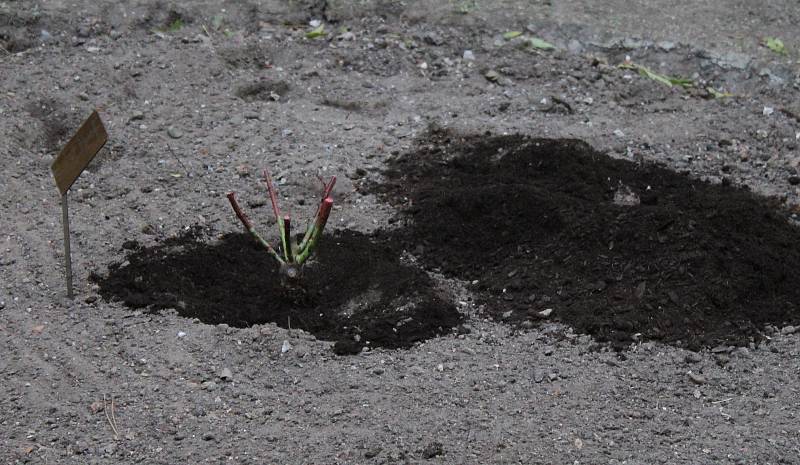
(199,96)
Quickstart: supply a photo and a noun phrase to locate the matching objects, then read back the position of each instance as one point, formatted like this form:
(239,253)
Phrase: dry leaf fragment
(96,406)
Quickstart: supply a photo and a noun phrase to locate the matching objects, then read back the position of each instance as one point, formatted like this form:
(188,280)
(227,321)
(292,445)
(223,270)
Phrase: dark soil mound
(356,291)
(615,248)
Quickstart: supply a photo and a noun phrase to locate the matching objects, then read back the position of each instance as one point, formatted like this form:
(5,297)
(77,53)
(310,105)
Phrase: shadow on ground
(619,250)
(356,292)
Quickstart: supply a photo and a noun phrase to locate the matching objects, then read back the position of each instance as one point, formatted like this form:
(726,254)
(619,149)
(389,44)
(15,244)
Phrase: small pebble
(546,313)
(209,385)
(175,133)
(468,55)
(416,370)
(693,357)
(575,46)
(432,450)
(286,347)
(697,379)
(666,46)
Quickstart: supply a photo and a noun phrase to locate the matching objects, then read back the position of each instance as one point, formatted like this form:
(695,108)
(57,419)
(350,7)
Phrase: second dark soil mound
(616,249)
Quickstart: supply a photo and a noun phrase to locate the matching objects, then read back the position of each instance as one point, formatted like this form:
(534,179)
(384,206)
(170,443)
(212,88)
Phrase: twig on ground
(188,175)
(111,418)
(208,34)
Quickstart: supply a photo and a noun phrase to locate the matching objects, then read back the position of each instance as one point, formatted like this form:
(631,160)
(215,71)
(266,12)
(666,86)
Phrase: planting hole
(356,292)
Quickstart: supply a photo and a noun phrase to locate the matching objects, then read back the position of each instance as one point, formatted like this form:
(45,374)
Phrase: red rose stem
(273,196)
(249,225)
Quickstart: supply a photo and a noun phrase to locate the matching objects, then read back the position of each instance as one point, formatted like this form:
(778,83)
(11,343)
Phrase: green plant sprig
(293,255)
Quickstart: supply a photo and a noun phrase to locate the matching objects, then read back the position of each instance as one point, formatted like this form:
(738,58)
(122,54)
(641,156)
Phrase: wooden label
(78,152)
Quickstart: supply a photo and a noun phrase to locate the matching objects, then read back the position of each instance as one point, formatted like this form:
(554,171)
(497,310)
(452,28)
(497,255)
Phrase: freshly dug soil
(356,292)
(616,249)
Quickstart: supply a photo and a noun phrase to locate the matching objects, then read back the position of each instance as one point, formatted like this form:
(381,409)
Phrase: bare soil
(535,255)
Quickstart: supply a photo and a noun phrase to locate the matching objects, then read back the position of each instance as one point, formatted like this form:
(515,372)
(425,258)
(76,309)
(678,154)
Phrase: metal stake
(67,253)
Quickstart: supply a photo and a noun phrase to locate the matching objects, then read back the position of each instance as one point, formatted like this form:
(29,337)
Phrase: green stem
(273,199)
(326,192)
(316,231)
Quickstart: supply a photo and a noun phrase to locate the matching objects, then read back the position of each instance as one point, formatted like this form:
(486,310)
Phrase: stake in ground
(293,254)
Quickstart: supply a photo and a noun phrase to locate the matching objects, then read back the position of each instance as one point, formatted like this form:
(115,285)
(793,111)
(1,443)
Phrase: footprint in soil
(356,291)
(619,250)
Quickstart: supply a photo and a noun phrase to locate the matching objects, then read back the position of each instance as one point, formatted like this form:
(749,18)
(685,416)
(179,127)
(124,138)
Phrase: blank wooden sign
(69,164)
(79,151)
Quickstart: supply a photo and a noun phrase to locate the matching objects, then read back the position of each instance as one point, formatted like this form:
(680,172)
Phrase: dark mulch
(355,292)
(536,224)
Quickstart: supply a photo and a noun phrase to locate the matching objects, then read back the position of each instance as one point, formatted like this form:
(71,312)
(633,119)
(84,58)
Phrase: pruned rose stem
(328,188)
(276,209)
(293,255)
(316,231)
(326,193)
(273,196)
(249,226)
